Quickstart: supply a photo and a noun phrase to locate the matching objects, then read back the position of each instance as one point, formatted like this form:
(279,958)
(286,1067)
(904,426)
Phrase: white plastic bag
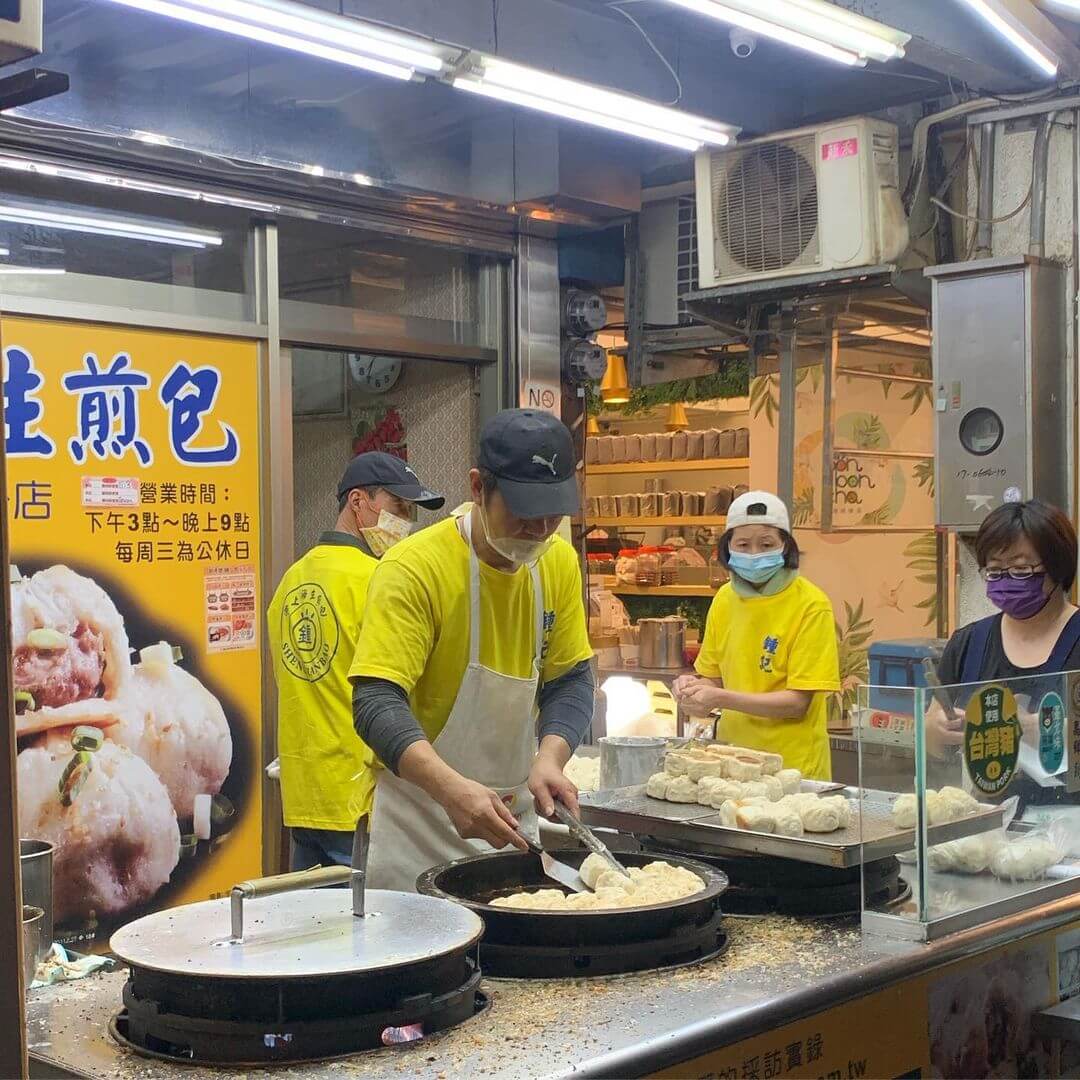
(1028,857)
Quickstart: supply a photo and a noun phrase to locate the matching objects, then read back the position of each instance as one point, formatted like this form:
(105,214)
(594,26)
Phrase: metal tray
(698,828)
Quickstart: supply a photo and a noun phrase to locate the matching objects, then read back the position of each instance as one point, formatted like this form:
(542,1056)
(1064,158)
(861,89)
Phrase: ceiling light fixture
(78,220)
(591,104)
(813,25)
(1016,34)
(32,270)
(308,30)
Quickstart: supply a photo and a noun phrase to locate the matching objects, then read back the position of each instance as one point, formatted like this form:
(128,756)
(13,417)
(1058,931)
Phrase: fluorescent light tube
(307,30)
(128,183)
(590,104)
(1016,35)
(766,27)
(127,228)
(32,270)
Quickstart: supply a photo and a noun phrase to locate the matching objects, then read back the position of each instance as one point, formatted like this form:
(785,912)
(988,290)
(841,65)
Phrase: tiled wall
(439,405)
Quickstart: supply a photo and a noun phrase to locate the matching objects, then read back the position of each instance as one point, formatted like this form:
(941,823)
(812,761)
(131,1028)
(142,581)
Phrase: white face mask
(382,536)
(517,552)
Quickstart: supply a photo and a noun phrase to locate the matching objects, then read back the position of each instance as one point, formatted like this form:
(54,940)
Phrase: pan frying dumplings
(656,883)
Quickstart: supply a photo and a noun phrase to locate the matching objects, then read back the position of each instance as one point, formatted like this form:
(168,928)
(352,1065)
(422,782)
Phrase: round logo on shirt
(309,632)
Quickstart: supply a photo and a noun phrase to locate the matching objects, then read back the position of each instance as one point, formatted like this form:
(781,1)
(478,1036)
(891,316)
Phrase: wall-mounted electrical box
(999,386)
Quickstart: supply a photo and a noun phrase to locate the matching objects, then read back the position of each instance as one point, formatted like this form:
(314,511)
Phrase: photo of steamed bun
(117,840)
(121,763)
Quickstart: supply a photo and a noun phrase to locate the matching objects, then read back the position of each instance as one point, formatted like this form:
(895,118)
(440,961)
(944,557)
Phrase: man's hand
(548,783)
(702,699)
(478,813)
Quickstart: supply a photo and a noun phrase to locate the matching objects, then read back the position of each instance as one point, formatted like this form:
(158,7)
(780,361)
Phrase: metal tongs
(557,871)
(582,833)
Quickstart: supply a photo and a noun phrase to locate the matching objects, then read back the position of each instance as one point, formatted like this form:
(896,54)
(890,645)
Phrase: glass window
(397,294)
(66,232)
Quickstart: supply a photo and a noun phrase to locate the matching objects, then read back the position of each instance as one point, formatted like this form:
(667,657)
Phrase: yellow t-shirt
(762,644)
(415,630)
(312,624)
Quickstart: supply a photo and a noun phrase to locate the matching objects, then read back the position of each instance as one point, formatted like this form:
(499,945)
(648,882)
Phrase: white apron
(489,737)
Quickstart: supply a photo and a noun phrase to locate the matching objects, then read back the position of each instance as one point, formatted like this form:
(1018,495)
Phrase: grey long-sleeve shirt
(383,719)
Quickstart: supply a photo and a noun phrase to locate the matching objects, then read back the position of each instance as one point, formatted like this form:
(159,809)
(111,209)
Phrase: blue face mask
(757,569)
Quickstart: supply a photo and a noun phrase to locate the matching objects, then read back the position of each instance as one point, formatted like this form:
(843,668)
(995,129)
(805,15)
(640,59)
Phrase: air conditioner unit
(820,198)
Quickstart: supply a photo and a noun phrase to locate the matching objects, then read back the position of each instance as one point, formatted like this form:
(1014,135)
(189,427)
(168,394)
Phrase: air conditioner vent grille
(765,203)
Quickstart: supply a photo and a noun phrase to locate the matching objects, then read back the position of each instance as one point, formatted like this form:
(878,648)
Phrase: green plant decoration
(917,395)
(694,609)
(804,508)
(922,559)
(869,433)
(881,516)
(853,642)
(731,381)
(924,475)
(765,391)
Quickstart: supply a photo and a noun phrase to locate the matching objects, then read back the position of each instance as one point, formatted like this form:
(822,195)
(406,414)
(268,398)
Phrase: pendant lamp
(615,389)
(676,417)
(593,426)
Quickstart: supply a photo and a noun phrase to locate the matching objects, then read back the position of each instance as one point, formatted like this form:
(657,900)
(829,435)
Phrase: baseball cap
(758,508)
(531,455)
(376,469)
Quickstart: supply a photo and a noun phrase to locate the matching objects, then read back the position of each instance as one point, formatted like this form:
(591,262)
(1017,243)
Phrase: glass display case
(982,812)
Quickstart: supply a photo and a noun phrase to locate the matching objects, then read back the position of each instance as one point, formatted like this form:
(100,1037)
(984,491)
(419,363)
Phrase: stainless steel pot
(33,919)
(36,864)
(626,760)
(662,642)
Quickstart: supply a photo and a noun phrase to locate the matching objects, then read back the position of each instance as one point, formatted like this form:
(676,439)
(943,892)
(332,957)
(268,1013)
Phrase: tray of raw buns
(712,796)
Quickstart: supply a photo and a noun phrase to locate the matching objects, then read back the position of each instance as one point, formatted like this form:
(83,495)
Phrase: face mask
(1018,599)
(757,569)
(515,551)
(384,535)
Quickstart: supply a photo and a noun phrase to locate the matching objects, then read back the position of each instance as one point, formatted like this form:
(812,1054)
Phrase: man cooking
(470,627)
(327,781)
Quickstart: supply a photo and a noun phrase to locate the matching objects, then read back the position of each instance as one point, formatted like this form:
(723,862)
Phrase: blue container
(899,664)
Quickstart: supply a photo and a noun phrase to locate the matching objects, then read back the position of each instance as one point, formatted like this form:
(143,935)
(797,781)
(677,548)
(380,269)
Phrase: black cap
(376,469)
(531,455)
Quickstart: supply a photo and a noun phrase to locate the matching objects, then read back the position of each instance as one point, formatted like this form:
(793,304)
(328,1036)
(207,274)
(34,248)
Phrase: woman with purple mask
(1027,557)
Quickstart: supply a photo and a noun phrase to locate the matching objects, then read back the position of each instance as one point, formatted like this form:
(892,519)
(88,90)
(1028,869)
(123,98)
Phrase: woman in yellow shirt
(769,658)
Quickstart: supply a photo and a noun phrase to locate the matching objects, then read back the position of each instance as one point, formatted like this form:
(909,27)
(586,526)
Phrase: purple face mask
(1021,599)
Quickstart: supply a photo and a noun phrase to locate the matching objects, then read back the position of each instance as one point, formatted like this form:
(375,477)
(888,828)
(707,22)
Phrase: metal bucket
(36,864)
(629,759)
(33,919)
(662,642)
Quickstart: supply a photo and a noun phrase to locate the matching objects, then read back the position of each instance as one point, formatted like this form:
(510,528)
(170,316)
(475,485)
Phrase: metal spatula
(581,832)
(557,871)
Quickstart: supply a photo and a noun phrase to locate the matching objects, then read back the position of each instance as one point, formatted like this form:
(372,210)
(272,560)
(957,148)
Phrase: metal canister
(36,865)
(662,642)
(626,760)
(33,919)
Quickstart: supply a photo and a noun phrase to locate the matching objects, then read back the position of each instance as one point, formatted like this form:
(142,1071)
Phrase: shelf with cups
(688,465)
(658,522)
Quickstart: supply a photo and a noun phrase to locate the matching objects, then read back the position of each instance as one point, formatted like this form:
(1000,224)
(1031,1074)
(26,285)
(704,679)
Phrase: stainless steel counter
(775,970)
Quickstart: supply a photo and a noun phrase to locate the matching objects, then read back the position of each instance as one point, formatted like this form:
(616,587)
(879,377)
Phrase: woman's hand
(943,731)
(684,684)
(702,699)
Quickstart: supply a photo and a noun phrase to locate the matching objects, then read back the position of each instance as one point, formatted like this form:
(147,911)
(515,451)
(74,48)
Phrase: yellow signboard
(133,504)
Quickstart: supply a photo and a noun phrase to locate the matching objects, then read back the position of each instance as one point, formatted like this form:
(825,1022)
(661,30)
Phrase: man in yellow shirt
(327,783)
(471,680)
(768,661)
